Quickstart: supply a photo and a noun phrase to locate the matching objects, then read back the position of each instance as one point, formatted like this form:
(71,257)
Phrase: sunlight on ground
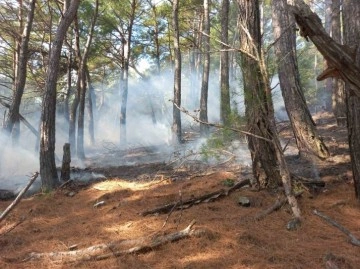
(118,184)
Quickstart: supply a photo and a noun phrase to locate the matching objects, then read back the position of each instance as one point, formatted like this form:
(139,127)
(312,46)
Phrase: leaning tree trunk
(307,138)
(351,9)
(13,115)
(48,170)
(204,128)
(176,125)
(225,107)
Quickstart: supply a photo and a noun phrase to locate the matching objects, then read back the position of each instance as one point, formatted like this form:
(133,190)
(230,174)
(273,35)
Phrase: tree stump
(65,168)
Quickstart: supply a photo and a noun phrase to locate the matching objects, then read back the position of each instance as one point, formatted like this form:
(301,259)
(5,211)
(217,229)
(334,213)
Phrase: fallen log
(114,249)
(19,197)
(197,200)
(353,239)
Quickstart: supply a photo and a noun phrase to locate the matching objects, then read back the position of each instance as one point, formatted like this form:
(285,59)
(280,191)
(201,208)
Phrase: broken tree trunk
(340,58)
(65,168)
(114,249)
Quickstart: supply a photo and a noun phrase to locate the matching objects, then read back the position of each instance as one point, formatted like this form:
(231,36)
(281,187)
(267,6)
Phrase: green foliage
(228,182)
(222,138)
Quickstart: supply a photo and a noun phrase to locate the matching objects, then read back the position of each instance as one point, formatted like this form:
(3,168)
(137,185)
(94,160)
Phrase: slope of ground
(233,238)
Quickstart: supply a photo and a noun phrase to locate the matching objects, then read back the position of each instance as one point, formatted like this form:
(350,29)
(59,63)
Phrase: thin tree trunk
(204,128)
(307,138)
(225,108)
(48,171)
(75,104)
(91,105)
(20,77)
(176,125)
(125,81)
(338,86)
(83,86)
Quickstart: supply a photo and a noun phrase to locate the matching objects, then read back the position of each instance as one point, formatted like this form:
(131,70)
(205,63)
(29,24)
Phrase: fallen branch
(7,229)
(117,248)
(19,197)
(197,200)
(353,239)
(279,203)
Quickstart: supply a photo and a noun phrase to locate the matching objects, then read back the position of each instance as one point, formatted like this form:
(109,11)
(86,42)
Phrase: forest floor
(227,235)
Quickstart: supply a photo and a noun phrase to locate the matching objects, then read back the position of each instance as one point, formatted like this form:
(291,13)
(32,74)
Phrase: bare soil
(233,238)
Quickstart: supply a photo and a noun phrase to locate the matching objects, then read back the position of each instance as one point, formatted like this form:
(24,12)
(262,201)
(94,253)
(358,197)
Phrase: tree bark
(48,171)
(258,106)
(269,166)
(351,9)
(176,125)
(307,138)
(225,108)
(204,128)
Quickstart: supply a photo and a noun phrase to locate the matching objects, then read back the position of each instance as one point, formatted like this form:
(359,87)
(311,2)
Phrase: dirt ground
(228,235)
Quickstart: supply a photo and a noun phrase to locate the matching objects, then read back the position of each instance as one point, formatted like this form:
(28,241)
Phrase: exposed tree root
(114,249)
(353,239)
(280,202)
(197,200)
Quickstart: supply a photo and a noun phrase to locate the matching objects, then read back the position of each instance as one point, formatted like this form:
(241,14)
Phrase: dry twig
(353,239)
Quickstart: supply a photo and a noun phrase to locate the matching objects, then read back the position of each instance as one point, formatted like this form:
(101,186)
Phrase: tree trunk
(176,125)
(48,171)
(338,87)
(225,108)
(351,9)
(91,105)
(258,105)
(75,103)
(20,78)
(204,128)
(269,166)
(83,86)
(125,76)
(307,138)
